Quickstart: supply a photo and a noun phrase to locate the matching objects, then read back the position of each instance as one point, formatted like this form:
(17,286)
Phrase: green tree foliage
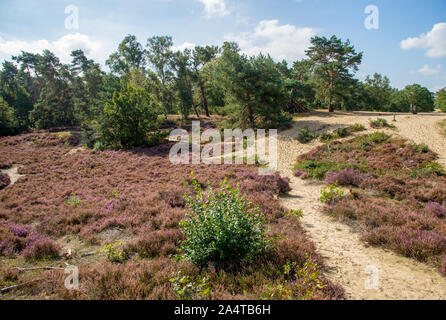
(200,57)
(130,119)
(333,60)
(255,87)
(378,92)
(8,122)
(420,98)
(130,55)
(181,63)
(440,100)
(159,52)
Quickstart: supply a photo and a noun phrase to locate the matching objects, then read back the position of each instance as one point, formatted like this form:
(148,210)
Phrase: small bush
(380,123)
(422,148)
(4,180)
(346,177)
(222,228)
(42,249)
(331,193)
(436,209)
(326,137)
(318,169)
(114,253)
(356,128)
(342,132)
(306,136)
(189,288)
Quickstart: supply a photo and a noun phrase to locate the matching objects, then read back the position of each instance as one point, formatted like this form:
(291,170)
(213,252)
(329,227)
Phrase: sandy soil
(13,174)
(365,272)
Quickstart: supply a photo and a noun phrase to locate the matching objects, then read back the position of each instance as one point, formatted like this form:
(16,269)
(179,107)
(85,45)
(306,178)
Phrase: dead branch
(7,289)
(39,268)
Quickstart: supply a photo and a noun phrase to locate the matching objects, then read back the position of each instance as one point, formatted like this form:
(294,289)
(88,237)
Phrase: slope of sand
(351,262)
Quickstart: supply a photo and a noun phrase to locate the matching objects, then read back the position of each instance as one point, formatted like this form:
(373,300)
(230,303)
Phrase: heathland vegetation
(397,192)
(96,188)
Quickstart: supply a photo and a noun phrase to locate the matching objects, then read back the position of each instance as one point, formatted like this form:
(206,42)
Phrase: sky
(402,39)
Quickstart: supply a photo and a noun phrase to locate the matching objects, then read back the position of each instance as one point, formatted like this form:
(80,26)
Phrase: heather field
(396,192)
(115,215)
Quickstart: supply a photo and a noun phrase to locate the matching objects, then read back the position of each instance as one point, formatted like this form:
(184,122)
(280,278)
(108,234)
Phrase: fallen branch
(40,268)
(7,289)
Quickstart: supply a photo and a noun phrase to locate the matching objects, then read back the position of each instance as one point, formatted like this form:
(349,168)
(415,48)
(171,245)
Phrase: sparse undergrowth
(306,135)
(137,197)
(397,192)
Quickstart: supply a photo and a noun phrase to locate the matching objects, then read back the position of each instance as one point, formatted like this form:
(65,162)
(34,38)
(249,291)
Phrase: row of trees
(144,82)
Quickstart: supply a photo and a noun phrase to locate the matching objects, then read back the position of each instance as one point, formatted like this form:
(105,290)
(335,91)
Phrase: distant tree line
(123,107)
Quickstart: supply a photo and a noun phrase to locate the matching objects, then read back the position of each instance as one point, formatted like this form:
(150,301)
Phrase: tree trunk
(205,100)
(331,108)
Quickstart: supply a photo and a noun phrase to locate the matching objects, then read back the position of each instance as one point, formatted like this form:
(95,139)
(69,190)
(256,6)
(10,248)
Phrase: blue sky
(409,46)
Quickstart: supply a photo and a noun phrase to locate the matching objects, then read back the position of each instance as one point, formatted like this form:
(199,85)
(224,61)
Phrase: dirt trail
(350,261)
(13,174)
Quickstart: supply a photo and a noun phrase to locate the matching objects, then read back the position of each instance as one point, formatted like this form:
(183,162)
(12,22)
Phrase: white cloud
(434,41)
(185,45)
(280,41)
(61,47)
(428,71)
(214,8)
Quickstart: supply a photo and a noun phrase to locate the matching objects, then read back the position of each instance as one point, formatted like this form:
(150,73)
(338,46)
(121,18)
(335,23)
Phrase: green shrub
(318,169)
(130,119)
(222,228)
(326,137)
(421,148)
(188,288)
(380,123)
(114,253)
(378,137)
(305,135)
(330,193)
(356,128)
(342,132)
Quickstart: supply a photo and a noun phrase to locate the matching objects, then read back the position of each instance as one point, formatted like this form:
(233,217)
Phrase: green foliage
(318,169)
(305,135)
(380,123)
(130,119)
(342,132)
(190,288)
(420,98)
(299,213)
(356,128)
(330,193)
(255,88)
(422,148)
(8,122)
(74,201)
(309,274)
(114,253)
(440,100)
(327,136)
(222,228)
(332,60)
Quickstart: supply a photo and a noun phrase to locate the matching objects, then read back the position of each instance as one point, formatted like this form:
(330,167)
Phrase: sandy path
(13,174)
(350,261)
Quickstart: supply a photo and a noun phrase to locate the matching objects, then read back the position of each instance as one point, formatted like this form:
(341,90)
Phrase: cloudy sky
(409,44)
